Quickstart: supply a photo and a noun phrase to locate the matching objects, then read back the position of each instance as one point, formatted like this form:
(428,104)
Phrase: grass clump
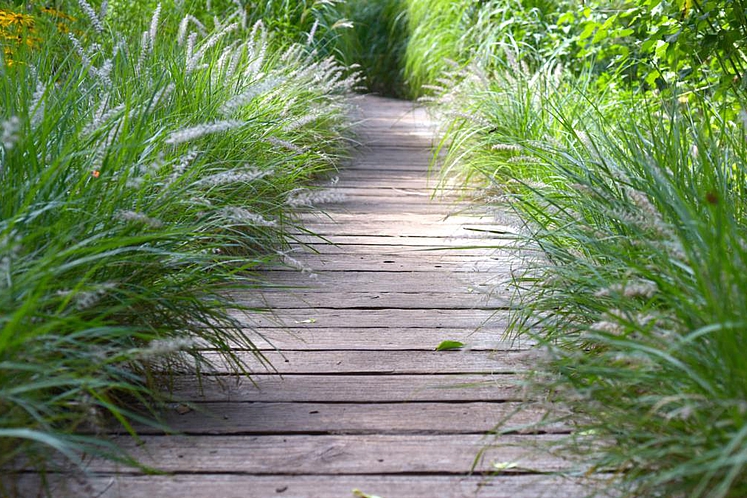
(638,299)
(143,177)
(633,201)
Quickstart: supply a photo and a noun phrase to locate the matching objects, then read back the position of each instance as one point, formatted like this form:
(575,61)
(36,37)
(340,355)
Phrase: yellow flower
(8,57)
(11,38)
(9,18)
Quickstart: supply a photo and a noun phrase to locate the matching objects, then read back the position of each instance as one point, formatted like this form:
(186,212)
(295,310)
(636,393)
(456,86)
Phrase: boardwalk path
(364,401)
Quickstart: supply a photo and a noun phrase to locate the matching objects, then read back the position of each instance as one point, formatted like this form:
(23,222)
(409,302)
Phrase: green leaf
(652,77)
(449,346)
(589,29)
(600,35)
(360,494)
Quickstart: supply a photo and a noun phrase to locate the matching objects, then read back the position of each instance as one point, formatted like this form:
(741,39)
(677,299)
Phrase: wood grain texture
(347,299)
(384,280)
(362,259)
(393,362)
(346,318)
(318,246)
(349,388)
(462,239)
(339,455)
(356,418)
(296,338)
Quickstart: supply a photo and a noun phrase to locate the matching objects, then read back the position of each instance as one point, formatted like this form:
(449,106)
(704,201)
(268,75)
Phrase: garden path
(361,400)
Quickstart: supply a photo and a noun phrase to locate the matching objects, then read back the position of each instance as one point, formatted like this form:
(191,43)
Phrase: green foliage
(434,45)
(376,43)
(643,44)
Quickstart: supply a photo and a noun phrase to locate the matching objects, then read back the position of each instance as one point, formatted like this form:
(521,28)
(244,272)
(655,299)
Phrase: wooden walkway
(362,401)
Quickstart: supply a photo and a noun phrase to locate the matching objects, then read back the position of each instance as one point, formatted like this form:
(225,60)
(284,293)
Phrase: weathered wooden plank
(423,193)
(465,240)
(506,256)
(372,227)
(322,247)
(373,207)
(338,455)
(400,362)
(319,246)
(352,181)
(383,116)
(349,388)
(356,418)
(406,134)
(301,300)
(408,131)
(383,136)
(426,178)
(412,161)
(396,130)
(379,339)
(448,195)
(479,289)
(374,182)
(356,205)
(371,211)
(397,114)
(422,224)
(253,486)
(405,161)
(430,281)
(365,259)
(403,147)
(392,318)
(426,221)
(391,180)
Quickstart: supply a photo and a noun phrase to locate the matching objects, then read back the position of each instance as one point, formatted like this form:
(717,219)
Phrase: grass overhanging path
(361,399)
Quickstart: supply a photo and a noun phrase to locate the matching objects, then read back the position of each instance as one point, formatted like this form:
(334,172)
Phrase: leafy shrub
(643,44)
